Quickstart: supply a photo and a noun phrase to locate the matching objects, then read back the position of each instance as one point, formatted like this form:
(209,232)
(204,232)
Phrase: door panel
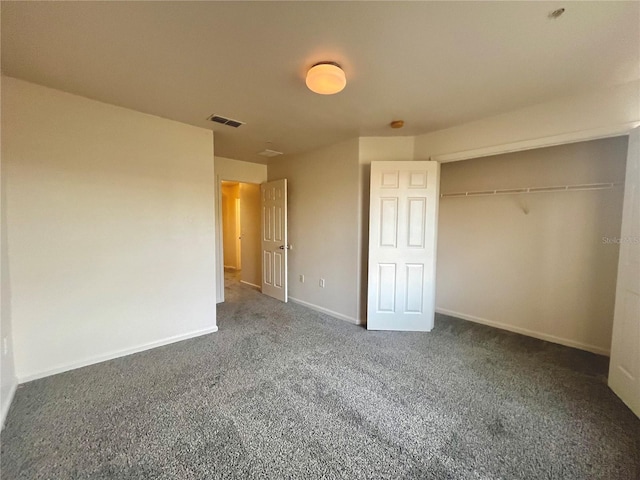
(388,222)
(274,239)
(402,245)
(415,288)
(624,366)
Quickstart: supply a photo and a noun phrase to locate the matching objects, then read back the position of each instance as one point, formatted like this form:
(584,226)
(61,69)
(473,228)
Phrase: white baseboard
(116,354)
(525,331)
(331,313)
(251,284)
(7,404)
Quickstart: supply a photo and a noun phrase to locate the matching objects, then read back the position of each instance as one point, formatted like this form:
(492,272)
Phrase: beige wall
(251,238)
(534,263)
(7,369)
(582,116)
(110,227)
(239,171)
(386,149)
(323,226)
(230,219)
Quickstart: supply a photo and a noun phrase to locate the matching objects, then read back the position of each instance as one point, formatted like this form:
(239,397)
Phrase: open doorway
(240,208)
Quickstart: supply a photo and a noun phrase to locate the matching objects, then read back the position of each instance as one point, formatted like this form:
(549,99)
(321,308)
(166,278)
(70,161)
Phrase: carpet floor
(284,392)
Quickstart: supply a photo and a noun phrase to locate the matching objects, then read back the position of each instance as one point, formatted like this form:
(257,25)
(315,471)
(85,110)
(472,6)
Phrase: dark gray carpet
(284,392)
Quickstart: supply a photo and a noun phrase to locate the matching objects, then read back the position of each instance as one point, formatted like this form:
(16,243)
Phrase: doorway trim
(219,247)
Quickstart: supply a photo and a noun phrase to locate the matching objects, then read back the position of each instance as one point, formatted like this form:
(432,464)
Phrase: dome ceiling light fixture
(326,78)
(397,124)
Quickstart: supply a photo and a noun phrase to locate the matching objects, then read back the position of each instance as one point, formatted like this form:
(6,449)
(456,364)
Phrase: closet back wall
(537,263)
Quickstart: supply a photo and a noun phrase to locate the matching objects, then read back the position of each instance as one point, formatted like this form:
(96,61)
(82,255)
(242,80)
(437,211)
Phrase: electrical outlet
(301,278)
(322,283)
(5,346)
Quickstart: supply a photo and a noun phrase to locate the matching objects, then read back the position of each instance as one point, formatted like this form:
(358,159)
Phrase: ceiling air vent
(269,153)
(225,121)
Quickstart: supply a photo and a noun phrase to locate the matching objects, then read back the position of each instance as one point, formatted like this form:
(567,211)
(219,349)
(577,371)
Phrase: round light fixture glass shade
(326,78)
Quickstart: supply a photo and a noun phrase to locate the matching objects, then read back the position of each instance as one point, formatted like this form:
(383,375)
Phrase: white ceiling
(432,64)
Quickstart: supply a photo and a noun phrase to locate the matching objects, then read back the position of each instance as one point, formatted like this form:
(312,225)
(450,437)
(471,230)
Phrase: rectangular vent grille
(270,153)
(225,121)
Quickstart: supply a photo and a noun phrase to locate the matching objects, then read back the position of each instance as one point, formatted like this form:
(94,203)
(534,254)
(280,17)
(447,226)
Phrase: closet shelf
(557,188)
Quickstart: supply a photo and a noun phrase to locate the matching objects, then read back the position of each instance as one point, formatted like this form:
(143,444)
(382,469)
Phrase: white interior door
(624,367)
(274,239)
(403,217)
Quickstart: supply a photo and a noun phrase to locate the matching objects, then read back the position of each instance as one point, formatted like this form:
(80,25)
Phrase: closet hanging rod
(557,188)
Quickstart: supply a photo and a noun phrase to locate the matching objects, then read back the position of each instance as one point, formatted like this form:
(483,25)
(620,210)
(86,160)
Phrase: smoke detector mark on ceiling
(225,121)
(270,153)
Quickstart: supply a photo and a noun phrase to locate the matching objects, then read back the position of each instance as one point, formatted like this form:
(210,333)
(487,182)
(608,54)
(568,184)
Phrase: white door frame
(219,230)
(219,246)
(624,366)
